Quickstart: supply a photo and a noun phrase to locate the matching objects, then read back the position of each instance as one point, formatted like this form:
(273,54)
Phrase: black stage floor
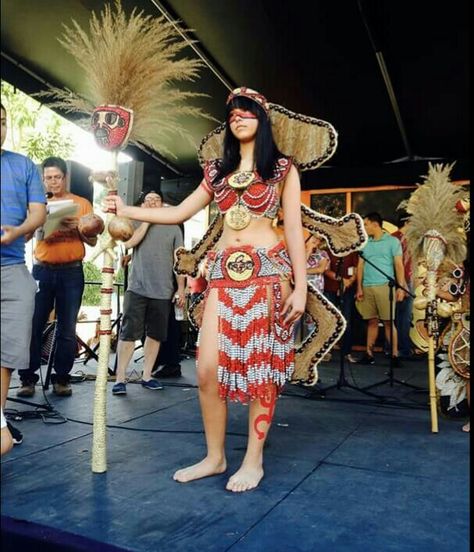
(343,472)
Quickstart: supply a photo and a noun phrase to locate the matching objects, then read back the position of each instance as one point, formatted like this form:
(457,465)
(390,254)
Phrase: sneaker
(17,435)
(26,390)
(168,371)
(62,389)
(152,384)
(366,359)
(351,359)
(119,388)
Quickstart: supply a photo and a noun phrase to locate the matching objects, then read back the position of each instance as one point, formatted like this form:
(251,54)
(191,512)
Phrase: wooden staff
(432,385)
(99,434)
(434,253)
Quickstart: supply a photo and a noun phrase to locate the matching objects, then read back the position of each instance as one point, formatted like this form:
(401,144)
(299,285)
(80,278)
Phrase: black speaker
(176,189)
(78,180)
(130,181)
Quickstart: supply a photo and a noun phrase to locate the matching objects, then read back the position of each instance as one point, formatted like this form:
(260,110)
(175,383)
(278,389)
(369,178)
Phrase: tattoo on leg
(268,401)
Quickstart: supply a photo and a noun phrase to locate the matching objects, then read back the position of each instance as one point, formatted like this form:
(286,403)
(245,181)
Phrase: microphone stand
(342,381)
(391,284)
(118,321)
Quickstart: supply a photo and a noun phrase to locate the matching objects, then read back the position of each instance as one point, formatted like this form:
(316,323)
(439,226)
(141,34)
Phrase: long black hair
(266,151)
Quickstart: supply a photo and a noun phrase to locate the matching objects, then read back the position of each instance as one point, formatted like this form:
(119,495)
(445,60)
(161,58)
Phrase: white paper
(54,206)
(57,210)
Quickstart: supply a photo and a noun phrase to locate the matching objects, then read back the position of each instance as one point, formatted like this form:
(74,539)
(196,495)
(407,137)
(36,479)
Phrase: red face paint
(236,114)
(268,401)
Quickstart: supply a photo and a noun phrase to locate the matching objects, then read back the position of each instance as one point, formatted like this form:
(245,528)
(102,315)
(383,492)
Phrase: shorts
(375,303)
(144,316)
(18,305)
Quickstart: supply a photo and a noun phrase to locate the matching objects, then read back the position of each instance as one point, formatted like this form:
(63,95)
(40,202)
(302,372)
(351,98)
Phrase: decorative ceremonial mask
(310,142)
(111,125)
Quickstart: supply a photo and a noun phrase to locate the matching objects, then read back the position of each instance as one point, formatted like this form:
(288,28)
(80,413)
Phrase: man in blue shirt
(23,210)
(372,296)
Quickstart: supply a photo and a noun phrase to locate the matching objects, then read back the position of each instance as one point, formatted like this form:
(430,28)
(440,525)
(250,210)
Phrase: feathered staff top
(432,210)
(135,62)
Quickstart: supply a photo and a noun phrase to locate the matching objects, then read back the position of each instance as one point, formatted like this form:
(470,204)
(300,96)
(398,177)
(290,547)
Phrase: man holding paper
(58,271)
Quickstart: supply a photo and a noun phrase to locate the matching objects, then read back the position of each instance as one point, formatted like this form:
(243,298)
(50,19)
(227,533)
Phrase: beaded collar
(260,197)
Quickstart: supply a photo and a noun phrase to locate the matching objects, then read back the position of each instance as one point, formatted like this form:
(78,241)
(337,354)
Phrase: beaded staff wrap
(107,244)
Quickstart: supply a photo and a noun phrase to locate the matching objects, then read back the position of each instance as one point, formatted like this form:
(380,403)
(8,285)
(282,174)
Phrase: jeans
(169,353)
(62,290)
(346,307)
(403,317)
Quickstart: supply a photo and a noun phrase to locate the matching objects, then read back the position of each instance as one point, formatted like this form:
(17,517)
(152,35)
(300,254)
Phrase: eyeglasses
(53,177)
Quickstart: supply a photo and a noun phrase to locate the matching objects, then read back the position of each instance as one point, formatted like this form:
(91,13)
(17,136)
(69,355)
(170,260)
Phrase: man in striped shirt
(23,210)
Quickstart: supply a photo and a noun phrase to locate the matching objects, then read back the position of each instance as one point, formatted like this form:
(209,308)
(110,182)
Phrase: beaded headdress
(252,95)
(309,141)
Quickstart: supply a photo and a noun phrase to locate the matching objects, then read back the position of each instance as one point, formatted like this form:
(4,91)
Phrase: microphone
(39,234)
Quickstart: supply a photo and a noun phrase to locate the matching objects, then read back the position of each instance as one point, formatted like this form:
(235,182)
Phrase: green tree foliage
(92,273)
(91,296)
(34,130)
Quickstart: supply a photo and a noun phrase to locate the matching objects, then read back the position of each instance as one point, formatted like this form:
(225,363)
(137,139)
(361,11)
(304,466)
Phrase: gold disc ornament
(241,179)
(238,217)
(239,266)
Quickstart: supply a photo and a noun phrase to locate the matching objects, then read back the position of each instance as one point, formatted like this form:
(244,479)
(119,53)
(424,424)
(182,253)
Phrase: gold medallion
(238,217)
(241,179)
(239,266)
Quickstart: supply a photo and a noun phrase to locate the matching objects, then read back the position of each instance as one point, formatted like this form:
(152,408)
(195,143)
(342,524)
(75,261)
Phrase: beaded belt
(241,266)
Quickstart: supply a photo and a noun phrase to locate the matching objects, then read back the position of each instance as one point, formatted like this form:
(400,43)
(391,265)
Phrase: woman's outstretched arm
(160,215)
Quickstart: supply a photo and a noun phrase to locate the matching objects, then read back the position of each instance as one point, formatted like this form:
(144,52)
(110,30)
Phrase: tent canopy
(392,77)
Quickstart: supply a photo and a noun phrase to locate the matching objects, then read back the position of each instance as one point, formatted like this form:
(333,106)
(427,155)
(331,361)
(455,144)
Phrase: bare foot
(205,468)
(246,478)
(467,427)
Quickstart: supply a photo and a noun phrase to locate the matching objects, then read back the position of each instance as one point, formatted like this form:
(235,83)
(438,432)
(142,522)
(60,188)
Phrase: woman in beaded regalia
(257,285)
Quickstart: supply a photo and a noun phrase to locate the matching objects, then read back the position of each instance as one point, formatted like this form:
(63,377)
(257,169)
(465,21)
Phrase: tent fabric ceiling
(315,57)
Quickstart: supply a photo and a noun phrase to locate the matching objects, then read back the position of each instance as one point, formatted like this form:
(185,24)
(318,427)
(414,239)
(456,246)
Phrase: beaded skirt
(254,347)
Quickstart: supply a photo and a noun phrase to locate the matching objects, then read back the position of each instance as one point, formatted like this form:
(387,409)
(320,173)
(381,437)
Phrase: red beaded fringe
(254,348)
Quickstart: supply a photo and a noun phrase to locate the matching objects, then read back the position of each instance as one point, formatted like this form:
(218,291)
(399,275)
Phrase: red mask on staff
(111,125)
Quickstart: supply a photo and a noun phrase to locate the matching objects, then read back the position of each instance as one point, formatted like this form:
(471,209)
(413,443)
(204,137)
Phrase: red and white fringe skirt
(255,349)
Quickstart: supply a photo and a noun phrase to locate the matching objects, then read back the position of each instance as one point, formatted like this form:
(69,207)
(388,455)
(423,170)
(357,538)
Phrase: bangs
(246,104)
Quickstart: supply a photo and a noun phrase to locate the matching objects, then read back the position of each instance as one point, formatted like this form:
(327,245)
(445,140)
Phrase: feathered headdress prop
(433,215)
(132,61)
(433,233)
